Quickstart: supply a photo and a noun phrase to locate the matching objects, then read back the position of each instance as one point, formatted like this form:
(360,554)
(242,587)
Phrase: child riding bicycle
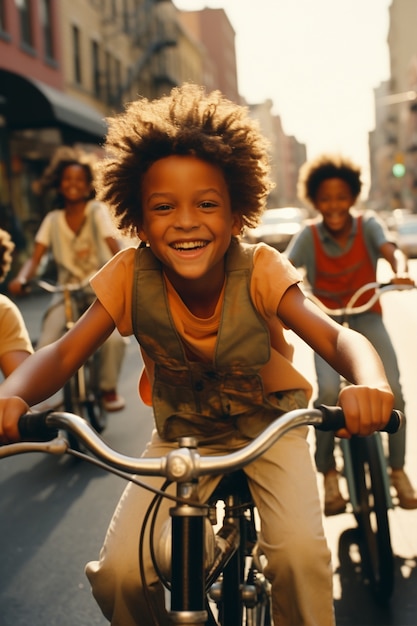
(339,252)
(80,235)
(185,173)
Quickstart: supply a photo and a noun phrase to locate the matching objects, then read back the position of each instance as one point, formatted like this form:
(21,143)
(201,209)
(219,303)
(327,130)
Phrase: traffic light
(398,168)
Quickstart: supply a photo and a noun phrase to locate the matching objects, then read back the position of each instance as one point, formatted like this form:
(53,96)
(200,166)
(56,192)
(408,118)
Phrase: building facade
(212,29)
(65,65)
(393,143)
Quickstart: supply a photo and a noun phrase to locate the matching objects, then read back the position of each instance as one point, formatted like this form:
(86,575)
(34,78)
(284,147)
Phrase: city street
(55,511)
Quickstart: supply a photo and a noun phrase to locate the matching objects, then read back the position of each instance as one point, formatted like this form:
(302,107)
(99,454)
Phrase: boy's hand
(366,409)
(10,411)
(18,287)
(403,279)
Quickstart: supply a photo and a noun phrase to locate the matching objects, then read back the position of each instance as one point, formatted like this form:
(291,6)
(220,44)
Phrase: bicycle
(220,581)
(81,394)
(365,470)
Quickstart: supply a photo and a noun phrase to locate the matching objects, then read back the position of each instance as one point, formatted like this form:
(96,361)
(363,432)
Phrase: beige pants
(284,487)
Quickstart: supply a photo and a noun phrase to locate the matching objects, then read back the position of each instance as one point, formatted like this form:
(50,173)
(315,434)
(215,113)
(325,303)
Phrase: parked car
(277,228)
(407,236)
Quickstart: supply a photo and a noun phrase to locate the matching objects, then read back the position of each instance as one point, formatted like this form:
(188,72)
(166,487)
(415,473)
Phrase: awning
(29,103)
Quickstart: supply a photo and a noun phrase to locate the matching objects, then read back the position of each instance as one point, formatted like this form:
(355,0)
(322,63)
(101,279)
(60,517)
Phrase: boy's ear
(142,235)
(237,224)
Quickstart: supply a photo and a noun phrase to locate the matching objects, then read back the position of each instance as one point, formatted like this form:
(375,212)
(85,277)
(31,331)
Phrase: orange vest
(337,278)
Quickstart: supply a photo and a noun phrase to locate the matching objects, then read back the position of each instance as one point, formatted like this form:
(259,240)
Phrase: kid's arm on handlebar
(396,284)
(34,427)
(334,420)
(183,463)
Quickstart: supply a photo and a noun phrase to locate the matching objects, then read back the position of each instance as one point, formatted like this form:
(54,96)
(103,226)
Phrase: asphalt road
(55,511)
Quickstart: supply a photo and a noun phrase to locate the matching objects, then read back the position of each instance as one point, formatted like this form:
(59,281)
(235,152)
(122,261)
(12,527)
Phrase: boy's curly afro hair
(326,166)
(186,122)
(6,249)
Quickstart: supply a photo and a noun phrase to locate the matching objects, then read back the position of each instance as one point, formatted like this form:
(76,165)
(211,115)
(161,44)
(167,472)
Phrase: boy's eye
(162,207)
(207,204)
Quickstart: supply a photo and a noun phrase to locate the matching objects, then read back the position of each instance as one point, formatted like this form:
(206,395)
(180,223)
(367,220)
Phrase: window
(25,17)
(117,80)
(3,24)
(95,53)
(46,22)
(125,16)
(107,64)
(113,9)
(76,54)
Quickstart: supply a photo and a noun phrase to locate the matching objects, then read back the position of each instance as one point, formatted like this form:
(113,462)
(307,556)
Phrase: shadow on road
(357,605)
(37,499)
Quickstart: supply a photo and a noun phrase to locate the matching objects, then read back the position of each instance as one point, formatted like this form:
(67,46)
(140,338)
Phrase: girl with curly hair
(80,236)
(185,174)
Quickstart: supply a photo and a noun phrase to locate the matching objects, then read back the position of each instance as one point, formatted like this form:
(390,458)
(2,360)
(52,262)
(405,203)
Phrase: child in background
(81,238)
(339,252)
(15,344)
(185,174)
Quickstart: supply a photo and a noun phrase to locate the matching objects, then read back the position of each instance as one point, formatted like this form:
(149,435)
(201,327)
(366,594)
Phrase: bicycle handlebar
(351,309)
(181,464)
(58,288)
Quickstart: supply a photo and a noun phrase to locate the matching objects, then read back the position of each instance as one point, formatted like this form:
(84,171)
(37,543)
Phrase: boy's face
(333,200)
(74,185)
(187,217)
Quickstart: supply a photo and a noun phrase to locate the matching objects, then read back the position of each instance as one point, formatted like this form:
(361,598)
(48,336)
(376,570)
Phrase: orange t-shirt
(272,275)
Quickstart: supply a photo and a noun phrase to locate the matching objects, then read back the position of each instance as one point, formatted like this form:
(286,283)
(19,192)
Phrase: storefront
(35,120)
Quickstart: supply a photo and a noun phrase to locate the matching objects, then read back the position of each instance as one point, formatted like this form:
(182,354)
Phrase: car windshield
(408,228)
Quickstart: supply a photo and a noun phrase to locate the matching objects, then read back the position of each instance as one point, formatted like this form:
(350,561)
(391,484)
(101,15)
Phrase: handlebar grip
(333,419)
(34,427)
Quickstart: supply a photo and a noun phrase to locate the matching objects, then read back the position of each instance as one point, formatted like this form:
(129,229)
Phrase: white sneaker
(112,401)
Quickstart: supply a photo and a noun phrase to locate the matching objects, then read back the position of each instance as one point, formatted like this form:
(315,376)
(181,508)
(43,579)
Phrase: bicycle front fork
(198,557)
(188,604)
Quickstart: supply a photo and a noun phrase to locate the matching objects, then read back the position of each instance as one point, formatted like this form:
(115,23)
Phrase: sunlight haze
(317,60)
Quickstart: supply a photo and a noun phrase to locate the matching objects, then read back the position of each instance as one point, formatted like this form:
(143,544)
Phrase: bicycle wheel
(372,517)
(94,409)
(241,593)
(82,397)
(230,606)
(73,405)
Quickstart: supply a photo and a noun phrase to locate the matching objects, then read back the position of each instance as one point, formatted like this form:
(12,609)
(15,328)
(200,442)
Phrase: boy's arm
(18,285)
(368,404)
(43,373)
(396,258)
(10,360)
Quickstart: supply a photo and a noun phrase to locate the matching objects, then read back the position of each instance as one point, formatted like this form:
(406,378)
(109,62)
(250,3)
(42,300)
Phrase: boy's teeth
(188,245)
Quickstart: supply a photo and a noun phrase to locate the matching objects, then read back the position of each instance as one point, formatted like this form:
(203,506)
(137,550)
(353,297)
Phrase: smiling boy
(185,174)
(339,252)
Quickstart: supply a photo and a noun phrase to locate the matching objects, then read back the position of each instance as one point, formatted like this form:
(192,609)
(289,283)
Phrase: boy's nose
(187,217)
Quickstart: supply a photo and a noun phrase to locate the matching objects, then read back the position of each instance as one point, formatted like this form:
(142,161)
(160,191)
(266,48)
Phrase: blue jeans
(372,327)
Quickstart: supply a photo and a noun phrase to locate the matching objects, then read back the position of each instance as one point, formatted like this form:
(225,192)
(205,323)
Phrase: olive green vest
(213,399)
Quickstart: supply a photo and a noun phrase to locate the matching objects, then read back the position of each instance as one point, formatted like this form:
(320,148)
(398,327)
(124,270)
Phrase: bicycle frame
(184,466)
(81,393)
(349,474)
